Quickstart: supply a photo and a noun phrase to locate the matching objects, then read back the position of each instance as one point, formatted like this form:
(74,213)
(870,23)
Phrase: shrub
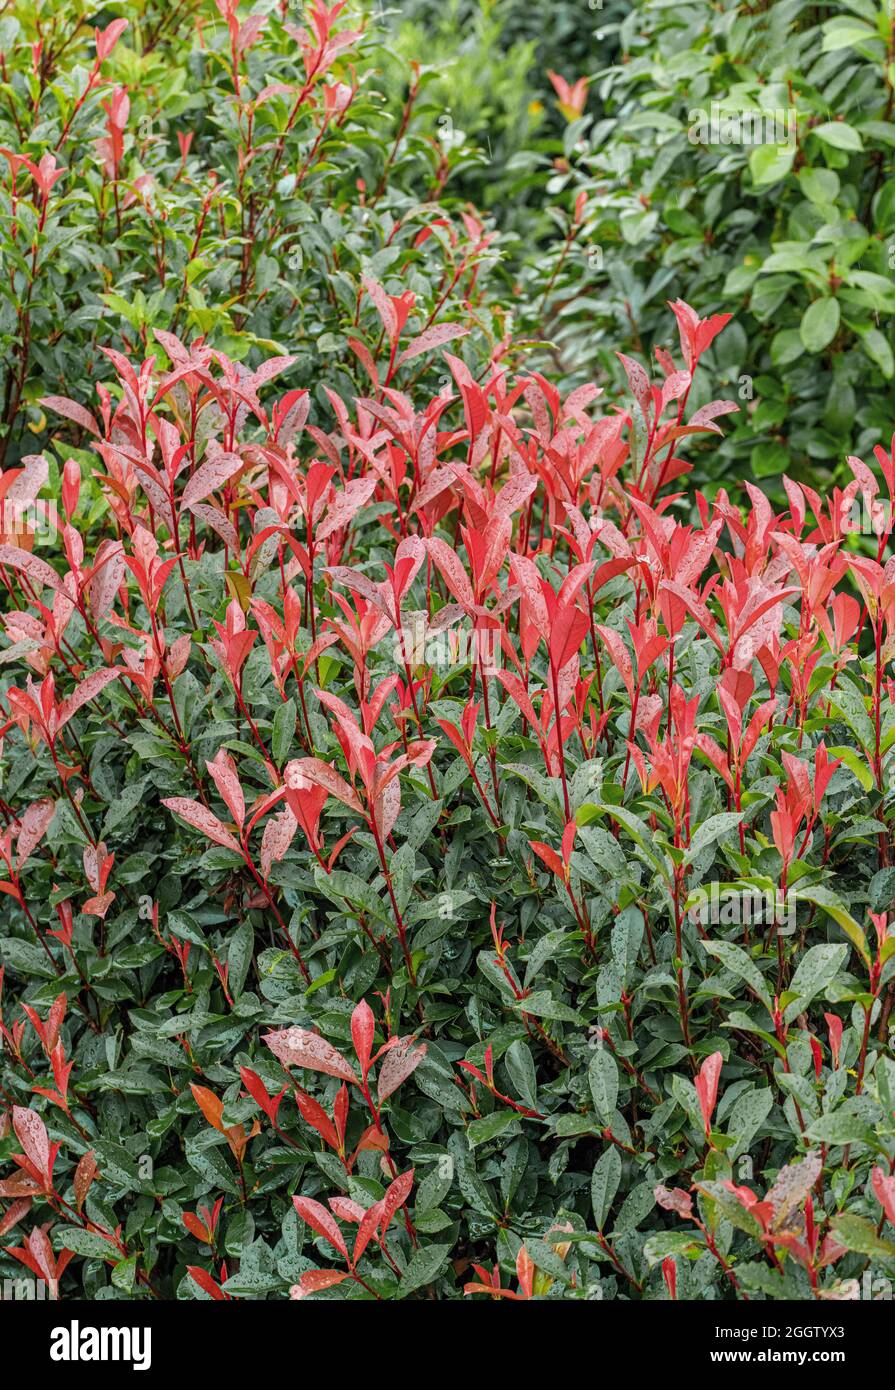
(386,795)
(672,181)
(491,95)
(237,179)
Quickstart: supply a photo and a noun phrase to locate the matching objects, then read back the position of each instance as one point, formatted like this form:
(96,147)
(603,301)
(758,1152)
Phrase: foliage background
(325,218)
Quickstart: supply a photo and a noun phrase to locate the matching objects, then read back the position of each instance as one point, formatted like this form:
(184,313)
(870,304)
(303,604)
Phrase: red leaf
(395,1197)
(314,1114)
(303,770)
(363,1027)
(315,1280)
(367,1229)
(210,1105)
(84,1175)
(205,1282)
(319,1219)
(549,857)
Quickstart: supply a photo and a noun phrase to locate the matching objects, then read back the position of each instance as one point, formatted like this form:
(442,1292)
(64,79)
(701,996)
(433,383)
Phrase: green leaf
(635,1208)
(882,891)
(859,1234)
(658,1248)
(520,1065)
(124,1274)
(239,957)
(770,163)
(85,1243)
(839,136)
(489,1126)
(283,733)
(838,1127)
(748,1113)
(602,1076)
(814,972)
(835,907)
(846,32)
(715,828)
(424,1268)
(878,349)
(604,1184)
(820,323)
(849,703)
(735,959)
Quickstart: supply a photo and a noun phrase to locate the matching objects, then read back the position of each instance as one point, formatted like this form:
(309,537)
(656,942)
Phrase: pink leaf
(451,569)
(707,1087)
(85,690)
(106,576)
(226,779)
(400,1062)
(32,566)
(297,1047)
(34,825)
(705,417)
(209,476)
(31,479)
(637,380)
(383,305)
(31,1133)
(199,816)
(345,504)
(279,832)
(884,1188)
(433,337)
(72,411)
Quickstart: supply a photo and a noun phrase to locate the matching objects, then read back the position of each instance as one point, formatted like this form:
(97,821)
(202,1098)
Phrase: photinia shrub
(208,171)
(443,856)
